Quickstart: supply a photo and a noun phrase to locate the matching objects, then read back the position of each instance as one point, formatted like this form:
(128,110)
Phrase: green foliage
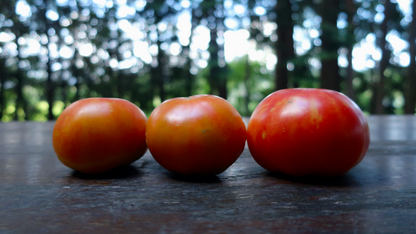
(249,82)
(34,85)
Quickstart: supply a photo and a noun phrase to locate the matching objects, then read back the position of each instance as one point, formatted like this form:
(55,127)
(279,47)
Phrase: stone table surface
(40,195)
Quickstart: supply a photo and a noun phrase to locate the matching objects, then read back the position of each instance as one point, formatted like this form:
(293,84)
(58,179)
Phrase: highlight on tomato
(96,135)
(302,132)
(198,135)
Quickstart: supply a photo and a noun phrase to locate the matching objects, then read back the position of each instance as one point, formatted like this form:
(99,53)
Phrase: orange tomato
(199,135)
(308,132)
(96,135)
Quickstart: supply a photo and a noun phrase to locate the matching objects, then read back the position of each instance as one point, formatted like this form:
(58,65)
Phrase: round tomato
(308,132)
(96,135)
(199,135)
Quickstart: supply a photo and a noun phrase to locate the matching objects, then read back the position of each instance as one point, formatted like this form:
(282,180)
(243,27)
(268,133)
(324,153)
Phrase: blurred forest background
(54,52)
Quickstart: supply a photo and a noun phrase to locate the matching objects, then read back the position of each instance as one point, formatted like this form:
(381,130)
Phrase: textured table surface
(40,195)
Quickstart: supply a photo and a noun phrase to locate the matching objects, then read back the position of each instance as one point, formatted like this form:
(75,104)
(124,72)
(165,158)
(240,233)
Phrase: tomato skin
(199,135)
(308,132)
(96,135)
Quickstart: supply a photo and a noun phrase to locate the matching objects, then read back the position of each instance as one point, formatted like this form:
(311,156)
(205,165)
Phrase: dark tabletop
(40,195)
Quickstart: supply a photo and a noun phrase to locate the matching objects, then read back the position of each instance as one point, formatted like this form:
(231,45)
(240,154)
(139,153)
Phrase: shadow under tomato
(123,172)
(194,178)
(345,180)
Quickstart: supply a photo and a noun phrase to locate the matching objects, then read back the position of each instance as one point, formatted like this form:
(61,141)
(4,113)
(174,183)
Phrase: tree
(330,78)
(257,84)
(187,51)
(2,82)
(214,13)
(158,12)
(410,95)
(43,26)
(284,46)
(389,22)
(350,9)
(19,28)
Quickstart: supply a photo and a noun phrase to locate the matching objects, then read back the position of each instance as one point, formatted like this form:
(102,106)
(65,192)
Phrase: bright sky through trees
(236,42)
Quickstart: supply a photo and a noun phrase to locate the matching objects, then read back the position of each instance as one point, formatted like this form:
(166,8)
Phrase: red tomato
(199,135)
(96,135)
(308,132)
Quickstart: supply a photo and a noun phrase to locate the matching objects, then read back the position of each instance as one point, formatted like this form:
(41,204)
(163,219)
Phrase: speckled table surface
(40,195)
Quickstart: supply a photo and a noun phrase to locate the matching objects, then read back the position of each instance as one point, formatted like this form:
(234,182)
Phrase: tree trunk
(350,9)
(76,74)
(189,77)
(284,46)
(187,73)
(247,75)
(88,67)
(214,68)
(19,94)
(350,76)
(157,73)
(222,86)
(20,102)
(187,51)
(161,71)
(62,83)
(410,95)
(119,83)
(384,62)
(2,81)
(118,75)
(330,78)
(49,85)
(64,93)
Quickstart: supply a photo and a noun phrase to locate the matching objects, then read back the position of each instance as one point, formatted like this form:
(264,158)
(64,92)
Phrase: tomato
(96,135)
(199,135)
(308,132)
